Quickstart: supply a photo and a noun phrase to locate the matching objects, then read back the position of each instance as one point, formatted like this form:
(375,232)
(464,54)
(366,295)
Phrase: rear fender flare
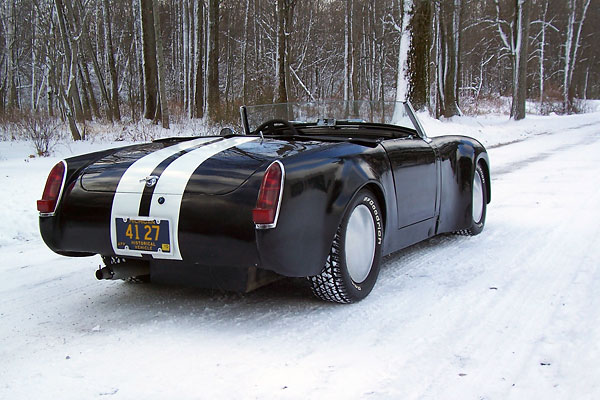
(314,203)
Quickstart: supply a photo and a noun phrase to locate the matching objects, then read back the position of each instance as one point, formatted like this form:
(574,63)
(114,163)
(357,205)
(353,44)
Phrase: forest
(160,60)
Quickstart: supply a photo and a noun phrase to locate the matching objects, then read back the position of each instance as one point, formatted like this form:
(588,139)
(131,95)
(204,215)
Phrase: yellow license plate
(151,236)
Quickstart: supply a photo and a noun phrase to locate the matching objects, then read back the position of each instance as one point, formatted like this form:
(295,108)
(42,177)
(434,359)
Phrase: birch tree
(83,59)
(402,82)
(70,97)
(404,8)
(571,46)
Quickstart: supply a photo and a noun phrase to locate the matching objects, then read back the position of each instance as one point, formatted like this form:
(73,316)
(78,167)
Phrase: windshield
(331,112)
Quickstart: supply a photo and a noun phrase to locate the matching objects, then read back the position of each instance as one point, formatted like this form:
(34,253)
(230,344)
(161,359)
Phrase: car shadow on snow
(286,299)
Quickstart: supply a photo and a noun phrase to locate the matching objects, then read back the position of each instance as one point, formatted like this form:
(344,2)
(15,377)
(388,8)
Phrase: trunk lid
(205,165)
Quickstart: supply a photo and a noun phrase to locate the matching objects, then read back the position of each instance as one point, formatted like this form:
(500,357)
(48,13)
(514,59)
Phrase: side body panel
(415,168)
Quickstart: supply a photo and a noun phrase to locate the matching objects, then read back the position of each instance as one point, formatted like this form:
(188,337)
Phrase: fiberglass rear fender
(318,188)
(459,157)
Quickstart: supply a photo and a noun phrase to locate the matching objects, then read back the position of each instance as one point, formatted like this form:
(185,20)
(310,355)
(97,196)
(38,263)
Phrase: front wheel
(479,204)
(352,267)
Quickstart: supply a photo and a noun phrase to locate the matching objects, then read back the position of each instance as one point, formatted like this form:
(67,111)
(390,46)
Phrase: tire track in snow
(517,282)
(419,269)
(548,144)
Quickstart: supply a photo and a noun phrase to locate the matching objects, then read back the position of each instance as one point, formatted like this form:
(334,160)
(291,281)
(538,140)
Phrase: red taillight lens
(267,203)
(52,189)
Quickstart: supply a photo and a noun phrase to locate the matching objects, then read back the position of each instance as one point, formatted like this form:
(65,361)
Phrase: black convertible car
(317,190)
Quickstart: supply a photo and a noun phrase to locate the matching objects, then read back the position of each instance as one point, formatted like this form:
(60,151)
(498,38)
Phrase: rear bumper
(214,231)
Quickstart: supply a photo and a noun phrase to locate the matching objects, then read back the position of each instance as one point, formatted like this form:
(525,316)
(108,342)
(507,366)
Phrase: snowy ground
(512,313)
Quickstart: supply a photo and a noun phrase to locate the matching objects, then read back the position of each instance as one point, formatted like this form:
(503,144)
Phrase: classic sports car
(316,190)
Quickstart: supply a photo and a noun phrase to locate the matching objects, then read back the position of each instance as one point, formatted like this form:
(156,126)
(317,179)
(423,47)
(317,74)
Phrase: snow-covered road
(511,313)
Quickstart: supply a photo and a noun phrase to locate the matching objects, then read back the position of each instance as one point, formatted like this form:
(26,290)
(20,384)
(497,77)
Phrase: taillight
(47,204)
(269,197)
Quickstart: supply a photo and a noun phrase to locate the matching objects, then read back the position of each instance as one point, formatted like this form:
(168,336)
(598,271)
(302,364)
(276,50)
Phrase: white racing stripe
(130,181)
(170,186)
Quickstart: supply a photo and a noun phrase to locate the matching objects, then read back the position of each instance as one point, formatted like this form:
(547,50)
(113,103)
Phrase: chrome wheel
(478,197)
(360,243)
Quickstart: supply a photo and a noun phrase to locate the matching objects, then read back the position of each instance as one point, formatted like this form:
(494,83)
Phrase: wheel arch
(377,191)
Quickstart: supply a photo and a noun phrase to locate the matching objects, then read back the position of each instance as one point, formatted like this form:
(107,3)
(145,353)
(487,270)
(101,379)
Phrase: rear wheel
(479,202)
(352,267)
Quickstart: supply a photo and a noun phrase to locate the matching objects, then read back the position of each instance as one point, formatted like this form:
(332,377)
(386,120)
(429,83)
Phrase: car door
(414,168)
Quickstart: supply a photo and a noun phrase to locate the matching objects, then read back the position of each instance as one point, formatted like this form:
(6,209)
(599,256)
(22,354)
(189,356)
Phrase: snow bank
(492,131)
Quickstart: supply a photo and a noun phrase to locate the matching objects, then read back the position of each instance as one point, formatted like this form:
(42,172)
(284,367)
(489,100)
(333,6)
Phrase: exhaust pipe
(123,270)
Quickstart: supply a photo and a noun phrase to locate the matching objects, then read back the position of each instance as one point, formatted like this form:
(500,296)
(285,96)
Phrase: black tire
(110,261)
(340,281)
(479,201)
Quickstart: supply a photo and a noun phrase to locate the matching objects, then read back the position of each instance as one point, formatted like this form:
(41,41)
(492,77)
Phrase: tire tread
(328,285)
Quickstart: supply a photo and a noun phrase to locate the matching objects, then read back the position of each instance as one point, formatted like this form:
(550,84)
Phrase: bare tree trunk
(92,54)
(186,55)
(435,94)
(71,97)
(13,99)
(228,66)
(87,81)
(281,88)
(50,88)
(572,44)
(192,35)
(85,99)
(585,86)
(213,100)
(288,27)
(521,37)
(199,81)
(245,56)
(542,49)
(418,56)
(355,53)
(68,98)
(139,57)
(150,63)
(347,28)
(447,64)
(404,13)
(108,44)
(33,60)
(515,41)
(164,108)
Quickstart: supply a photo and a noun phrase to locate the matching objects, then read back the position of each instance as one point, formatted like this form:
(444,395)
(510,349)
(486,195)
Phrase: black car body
(188,210)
